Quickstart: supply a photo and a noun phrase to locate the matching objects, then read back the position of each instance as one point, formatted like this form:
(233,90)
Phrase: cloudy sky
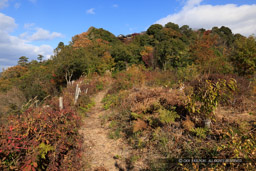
(32,27)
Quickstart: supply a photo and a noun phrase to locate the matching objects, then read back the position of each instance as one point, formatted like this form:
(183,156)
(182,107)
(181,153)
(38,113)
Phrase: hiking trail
(101,153)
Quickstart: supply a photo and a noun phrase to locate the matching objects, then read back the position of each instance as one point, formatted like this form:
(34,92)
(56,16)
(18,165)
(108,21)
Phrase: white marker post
(61,103)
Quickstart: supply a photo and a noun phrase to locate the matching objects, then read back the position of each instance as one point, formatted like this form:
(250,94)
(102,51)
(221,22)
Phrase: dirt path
(100,150)
(234,116)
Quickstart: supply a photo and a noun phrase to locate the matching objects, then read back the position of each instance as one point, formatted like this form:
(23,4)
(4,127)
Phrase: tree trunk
(68,77)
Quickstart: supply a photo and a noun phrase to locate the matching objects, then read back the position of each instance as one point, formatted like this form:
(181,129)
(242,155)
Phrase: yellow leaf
(35,164)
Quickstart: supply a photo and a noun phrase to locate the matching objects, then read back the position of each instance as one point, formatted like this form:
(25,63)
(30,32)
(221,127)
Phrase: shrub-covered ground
(155,115)
(43,137)
(169,81)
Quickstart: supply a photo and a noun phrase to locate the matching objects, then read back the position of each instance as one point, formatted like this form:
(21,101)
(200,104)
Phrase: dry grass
(234,115)
(147,100)
(11,101)
(139,125)
(188,124)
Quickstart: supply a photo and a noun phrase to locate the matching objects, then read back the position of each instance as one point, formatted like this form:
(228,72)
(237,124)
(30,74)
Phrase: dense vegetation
(165,124)
(168,81)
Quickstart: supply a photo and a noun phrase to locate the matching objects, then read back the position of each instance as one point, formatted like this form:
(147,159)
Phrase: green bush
(208,95)
(188,73)
(199,132)
(110,101)
(167,116)
(99,86)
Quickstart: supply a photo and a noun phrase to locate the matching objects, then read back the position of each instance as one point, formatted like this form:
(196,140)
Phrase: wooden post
(207,123)
(78,91)
(61,103)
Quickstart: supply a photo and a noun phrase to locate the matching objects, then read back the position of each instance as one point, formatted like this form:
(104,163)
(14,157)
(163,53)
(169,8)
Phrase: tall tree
(59,47)
(23,61)
(171,53)
(154,29)
(172,26)
(148,56)
(40,58)
(244,55)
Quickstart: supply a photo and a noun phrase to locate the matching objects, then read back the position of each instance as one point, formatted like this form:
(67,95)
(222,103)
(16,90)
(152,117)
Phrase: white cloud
(3,4)
(41,34)
(7,23)
(241,19)
(37,34)
(192,3)
(90,11)
(12,47)
(3,67)
(29,25)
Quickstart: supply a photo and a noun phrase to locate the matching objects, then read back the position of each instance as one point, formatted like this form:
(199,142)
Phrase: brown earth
(234,116)
(100,152)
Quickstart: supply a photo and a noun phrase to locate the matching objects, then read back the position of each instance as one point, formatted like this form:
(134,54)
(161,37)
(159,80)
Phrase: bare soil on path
(101,152)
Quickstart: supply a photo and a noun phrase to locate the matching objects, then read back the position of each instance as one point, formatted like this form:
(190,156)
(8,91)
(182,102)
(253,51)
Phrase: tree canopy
(165,47)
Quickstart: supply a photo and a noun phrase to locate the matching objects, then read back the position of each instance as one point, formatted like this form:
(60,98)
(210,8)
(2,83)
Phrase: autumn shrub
(208,95)
(227,141)
(157,123)
(39,81)
(151,109)
(130,78)
(244,98)
(160,78)
(254,87)
(187,73)
(110,100)
(88,85)
(242,146)
(10,76)
(240,100)
(199,132)
(41,139)
(85,103)
(96,84)
(142,110)
(11,102)
(5,85)
(136,76)
(45,137)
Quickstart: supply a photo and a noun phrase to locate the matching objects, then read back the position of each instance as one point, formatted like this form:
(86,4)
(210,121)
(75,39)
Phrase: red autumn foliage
(41,139)
(203,48)
(148,56)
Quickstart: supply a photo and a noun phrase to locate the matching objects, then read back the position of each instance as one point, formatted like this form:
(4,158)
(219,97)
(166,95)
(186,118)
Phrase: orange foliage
(5,84)
(81,40)
(171,33)
(147,55)
(14,72)
(203,48)
(101,41)
(139,125)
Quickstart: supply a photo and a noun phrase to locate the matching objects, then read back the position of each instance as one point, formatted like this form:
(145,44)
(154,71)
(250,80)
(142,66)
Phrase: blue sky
(32,27)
